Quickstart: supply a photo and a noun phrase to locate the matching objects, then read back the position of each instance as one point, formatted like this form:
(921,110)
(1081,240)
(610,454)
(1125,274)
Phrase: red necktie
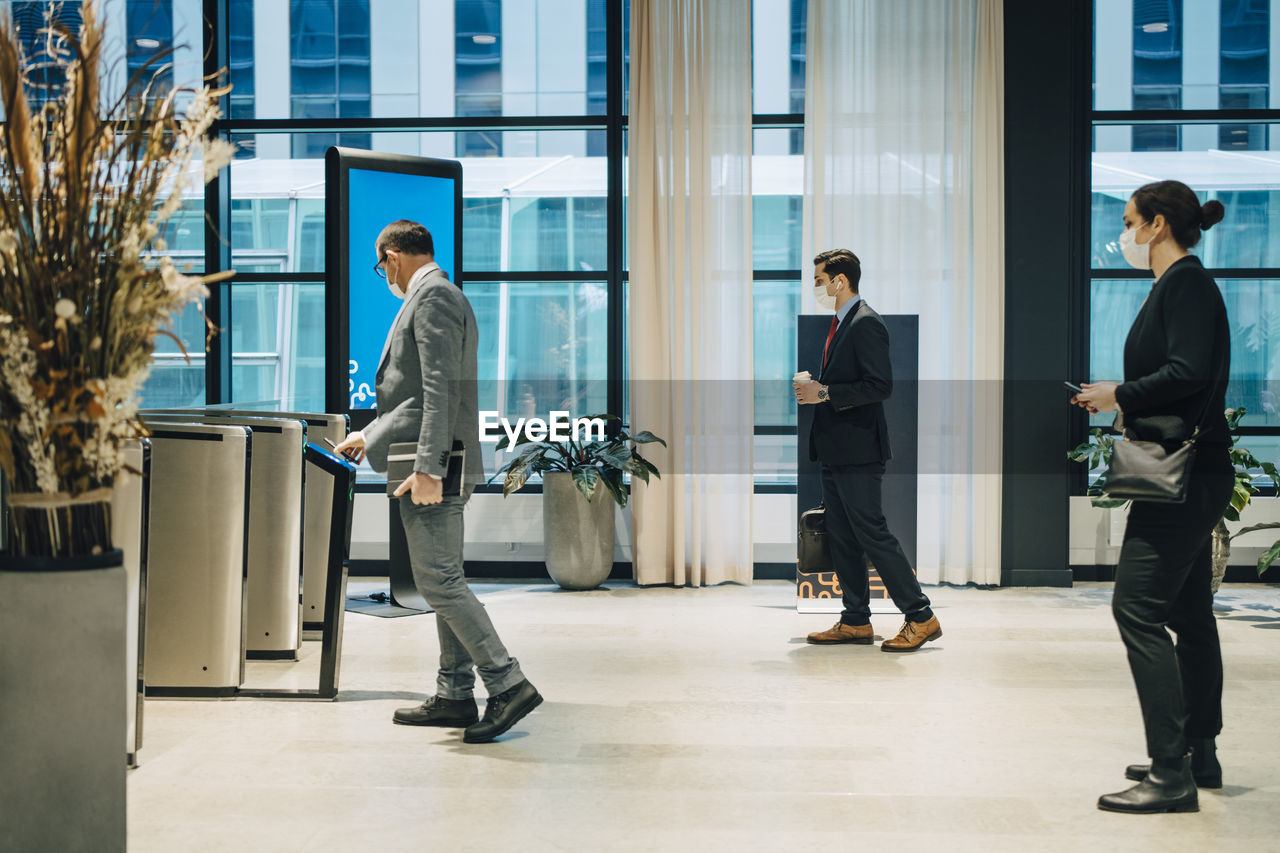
(835,322)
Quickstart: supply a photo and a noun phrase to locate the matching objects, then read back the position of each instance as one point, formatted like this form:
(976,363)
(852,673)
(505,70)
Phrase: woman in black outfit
(1175,364)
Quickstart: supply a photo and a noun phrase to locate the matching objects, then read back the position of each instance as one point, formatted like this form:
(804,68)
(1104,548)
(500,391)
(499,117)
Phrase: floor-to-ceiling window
(532,98)
(521,94)
(1190,90)
(777,176)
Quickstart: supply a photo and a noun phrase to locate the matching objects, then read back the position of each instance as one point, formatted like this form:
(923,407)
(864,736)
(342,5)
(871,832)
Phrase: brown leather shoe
(913,635)
(863,635)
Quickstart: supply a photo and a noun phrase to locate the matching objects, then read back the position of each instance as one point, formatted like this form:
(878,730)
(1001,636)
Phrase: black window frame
(611,125)
(1146,118)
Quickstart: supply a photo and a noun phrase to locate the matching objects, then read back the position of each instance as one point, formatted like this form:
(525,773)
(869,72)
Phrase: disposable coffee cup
(802,376)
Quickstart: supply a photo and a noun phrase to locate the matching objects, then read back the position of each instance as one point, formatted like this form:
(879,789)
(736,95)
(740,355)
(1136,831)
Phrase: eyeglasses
(378,266)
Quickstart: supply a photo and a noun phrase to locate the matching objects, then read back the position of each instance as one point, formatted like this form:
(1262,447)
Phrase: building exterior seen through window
(30,18)
(1177,56)
(536,198)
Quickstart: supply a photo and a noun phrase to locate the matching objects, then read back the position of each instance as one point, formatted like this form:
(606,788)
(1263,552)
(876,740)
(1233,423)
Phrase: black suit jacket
(1177,358)
(850,429)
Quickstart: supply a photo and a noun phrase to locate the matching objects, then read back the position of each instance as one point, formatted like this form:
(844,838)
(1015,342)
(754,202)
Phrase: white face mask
(824,299)
(396,290)
(1137,254)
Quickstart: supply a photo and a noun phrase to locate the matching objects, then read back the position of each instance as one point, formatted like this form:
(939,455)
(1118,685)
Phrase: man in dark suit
(850,439)
(426,390)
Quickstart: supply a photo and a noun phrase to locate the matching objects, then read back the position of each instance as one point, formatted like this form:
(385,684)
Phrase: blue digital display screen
(376,199)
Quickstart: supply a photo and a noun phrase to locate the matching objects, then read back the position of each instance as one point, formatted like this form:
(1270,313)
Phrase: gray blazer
(426,382)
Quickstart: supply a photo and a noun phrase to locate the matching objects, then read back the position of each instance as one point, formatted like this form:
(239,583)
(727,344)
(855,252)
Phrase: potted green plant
(1096,451)
(87,181)
(577,519)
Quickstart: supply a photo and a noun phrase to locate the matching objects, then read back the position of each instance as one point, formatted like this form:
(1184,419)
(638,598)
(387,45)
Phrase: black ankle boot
(1205,768)
(1168,787)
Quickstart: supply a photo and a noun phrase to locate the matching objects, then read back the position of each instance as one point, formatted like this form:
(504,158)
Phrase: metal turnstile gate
(273,629)
(196,542)
(129,533)
(317,497)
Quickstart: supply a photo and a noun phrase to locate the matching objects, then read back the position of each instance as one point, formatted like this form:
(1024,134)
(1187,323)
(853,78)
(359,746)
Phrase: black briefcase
(813,551)
(402,454)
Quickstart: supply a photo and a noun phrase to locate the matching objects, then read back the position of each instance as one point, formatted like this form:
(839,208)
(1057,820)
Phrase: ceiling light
(147,44)
(485,39)
(1162,27)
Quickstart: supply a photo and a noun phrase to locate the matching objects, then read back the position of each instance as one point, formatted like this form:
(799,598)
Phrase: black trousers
(857,531)
(1163,582)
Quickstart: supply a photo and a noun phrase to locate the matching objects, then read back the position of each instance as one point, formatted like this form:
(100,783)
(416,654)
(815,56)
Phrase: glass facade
(778,68)
(776,305)
(1246,182)
(329,69)
(543,348)
(240,62)
(276,351)
(1253,312)
(777,186)
(478,78)
(29,19)
(1176,57)
(535,200)
(149,38)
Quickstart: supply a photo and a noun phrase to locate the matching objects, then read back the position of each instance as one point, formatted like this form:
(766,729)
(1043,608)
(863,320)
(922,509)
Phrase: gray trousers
(468,640)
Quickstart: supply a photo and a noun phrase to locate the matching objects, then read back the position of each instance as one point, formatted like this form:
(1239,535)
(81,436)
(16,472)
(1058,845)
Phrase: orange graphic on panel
(827,585)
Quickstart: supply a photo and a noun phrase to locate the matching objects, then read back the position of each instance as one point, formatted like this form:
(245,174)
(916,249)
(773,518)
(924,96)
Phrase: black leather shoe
(449,713)
(1168,787)
(1205,768)
(502,712)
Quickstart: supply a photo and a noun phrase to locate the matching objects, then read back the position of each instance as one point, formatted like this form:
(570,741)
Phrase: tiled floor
(700,720)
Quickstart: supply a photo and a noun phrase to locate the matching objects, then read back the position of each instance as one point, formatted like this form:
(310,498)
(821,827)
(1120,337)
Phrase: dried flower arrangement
(85,186)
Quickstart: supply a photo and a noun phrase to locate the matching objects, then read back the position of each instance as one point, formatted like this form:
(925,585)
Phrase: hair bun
(1211,214)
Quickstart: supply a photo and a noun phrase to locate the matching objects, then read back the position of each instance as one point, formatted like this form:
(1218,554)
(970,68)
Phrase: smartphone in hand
(1075,389)
(334,447)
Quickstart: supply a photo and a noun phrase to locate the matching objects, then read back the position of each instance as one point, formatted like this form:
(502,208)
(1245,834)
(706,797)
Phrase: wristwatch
(822,394)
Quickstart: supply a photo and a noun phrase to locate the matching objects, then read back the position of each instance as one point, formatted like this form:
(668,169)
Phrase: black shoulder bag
(1158,470)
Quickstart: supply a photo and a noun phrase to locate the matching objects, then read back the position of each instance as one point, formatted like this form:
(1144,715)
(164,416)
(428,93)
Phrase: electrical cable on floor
(376,597)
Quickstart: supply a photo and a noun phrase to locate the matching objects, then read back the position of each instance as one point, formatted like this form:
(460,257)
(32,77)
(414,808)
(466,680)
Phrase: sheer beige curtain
(903,165)
(689,221)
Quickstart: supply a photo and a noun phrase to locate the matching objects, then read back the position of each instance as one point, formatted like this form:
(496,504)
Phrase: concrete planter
(578,534)
(62,704)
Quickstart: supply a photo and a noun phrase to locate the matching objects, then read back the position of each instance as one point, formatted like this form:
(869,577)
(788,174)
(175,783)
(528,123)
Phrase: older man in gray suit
(426,392)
